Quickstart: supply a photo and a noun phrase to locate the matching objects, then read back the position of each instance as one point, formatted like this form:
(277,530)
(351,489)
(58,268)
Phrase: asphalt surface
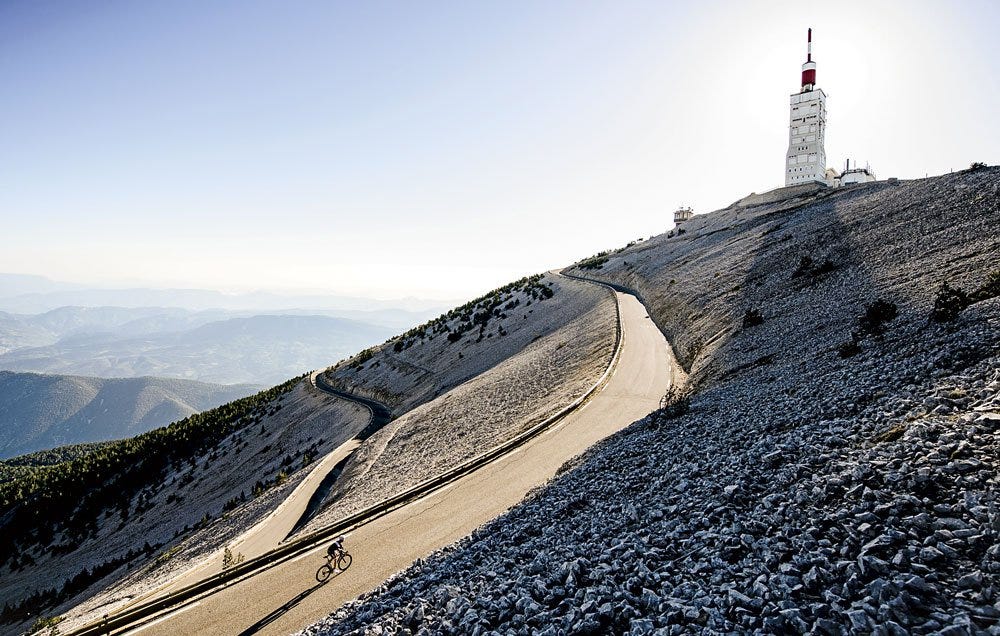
(270,532)
(287,597)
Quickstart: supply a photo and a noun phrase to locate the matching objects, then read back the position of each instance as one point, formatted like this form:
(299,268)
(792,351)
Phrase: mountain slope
(15,332)
(470,380)
(834,472)
(44,411)
(141,508)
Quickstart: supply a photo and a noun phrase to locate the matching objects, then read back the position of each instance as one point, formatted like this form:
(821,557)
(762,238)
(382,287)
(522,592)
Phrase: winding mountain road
(275,528)
(287,598)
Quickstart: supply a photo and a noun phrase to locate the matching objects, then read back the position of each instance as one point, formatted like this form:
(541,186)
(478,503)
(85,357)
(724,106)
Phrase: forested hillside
(54,509)
(40,411)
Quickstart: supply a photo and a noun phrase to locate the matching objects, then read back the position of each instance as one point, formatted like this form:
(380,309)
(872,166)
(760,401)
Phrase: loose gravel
(802,491)
(558,364)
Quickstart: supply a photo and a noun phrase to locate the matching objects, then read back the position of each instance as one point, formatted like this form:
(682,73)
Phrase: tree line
(70,496)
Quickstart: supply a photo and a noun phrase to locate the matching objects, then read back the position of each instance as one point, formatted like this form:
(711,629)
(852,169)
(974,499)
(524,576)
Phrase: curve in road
(286,598)
(290,513)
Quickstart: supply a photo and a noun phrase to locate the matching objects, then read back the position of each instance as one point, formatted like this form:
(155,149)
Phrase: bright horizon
(437,151)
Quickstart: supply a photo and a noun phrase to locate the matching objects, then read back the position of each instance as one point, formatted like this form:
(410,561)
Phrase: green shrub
(596,261)
(805,264)
(166,555)
(977,165)
(43,622)
(825,267)
(850,348)
(752,318)
(675,403)
(229,560)
(876,315)
(234,502)
(949,302)
(362,357)
(808,267)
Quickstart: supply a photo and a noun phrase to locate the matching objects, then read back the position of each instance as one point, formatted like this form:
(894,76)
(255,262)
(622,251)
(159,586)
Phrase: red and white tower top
(809,68)
(805,161)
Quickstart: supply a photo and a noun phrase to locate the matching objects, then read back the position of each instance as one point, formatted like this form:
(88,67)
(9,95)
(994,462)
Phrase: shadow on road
(276,614)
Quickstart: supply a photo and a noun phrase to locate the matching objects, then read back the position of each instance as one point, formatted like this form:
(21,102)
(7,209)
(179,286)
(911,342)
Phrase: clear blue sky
(442,148)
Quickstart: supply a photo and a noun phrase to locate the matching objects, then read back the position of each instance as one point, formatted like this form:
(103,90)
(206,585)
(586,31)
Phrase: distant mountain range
(19,331)
(208,346)
(43,411)
(262,338)
(26,294)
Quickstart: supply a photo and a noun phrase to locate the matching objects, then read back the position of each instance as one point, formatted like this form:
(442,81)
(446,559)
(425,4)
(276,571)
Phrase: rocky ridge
(810,486)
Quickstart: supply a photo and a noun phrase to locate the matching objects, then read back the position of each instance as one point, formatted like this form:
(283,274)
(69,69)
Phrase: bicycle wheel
(324,572)
(344,561)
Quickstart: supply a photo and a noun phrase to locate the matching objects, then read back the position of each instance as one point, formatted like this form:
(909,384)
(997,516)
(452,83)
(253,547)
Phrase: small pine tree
(948,303)
(752,318)
(229,560)
(876,315)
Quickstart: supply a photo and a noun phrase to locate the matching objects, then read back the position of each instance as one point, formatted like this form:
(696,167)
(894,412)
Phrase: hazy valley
(191,334)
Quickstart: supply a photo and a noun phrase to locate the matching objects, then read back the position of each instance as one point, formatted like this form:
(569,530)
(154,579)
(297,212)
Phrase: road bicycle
(337,562)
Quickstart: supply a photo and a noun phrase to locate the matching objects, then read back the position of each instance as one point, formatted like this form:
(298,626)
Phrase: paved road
(287,598)
(272,530)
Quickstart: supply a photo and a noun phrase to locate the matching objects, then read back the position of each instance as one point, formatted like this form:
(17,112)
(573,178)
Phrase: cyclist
(337,560)
(336,548)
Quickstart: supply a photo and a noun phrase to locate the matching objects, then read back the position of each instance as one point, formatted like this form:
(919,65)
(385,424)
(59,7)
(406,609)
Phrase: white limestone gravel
(561,351)
(803,491)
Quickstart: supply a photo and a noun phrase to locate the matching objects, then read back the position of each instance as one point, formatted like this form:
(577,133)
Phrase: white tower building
(805,161)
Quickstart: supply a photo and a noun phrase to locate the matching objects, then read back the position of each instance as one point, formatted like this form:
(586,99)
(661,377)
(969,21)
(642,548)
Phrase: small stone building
(683,214)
